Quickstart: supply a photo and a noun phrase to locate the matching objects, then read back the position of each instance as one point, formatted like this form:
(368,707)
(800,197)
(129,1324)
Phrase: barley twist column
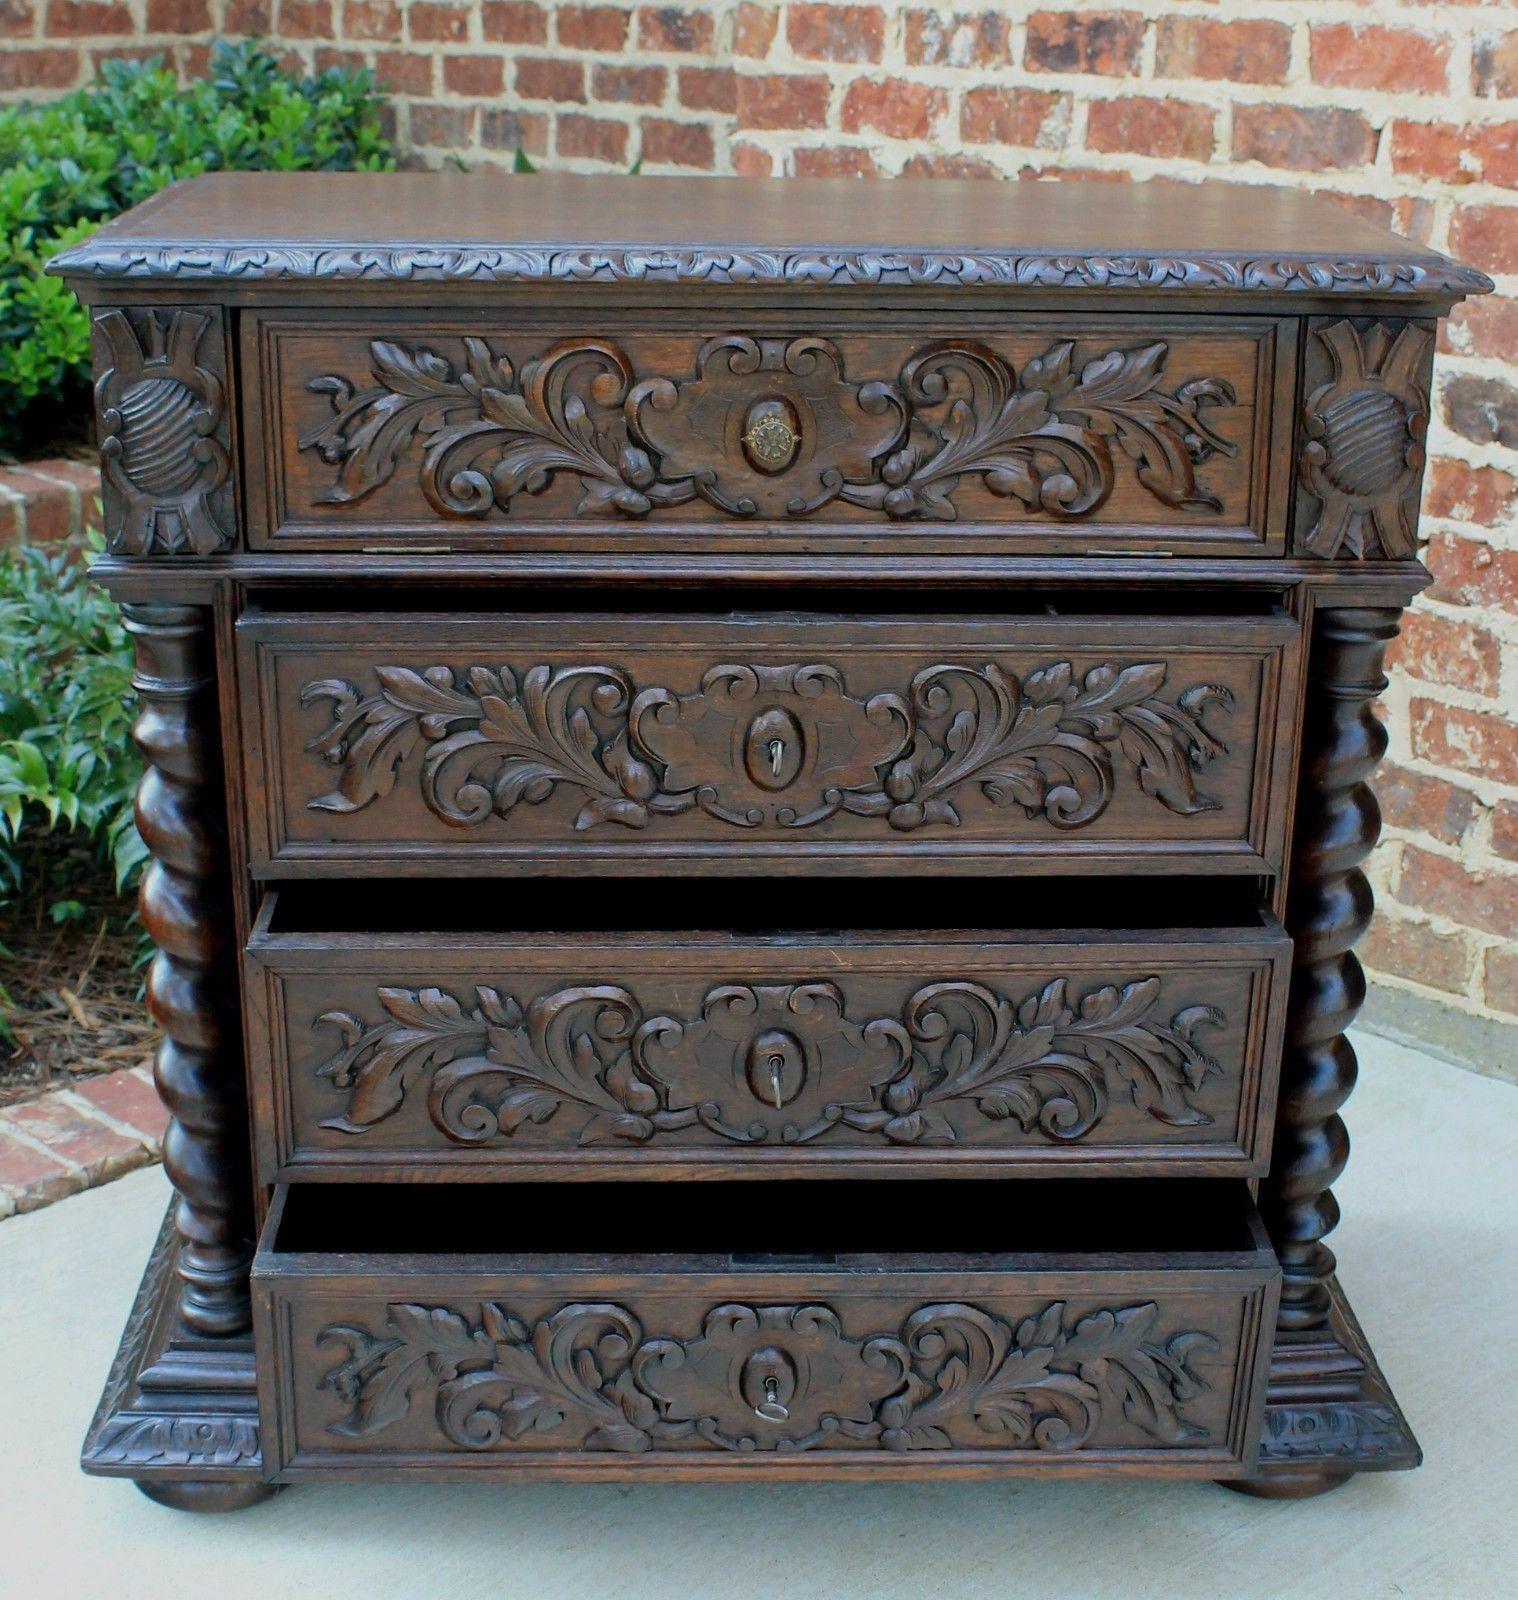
(1329,907)
(191,985)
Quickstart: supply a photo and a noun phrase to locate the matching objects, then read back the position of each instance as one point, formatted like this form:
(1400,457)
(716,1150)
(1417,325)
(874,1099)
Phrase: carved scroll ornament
(808,750)
(770,427)
(771,1063)
(769,1378)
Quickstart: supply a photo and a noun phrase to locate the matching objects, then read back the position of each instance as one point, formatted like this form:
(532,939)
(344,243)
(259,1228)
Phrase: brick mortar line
(88,1108)
(11,1130)
(63,1175)
(70,1097)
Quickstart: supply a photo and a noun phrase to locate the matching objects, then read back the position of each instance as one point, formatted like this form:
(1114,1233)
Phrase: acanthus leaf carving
(1050,1063)
(782,1378)
(772,1063)
(1044,437)
(813,266)
(1044,744)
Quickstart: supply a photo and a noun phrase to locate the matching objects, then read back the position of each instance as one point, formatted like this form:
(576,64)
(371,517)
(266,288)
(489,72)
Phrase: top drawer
(775,433)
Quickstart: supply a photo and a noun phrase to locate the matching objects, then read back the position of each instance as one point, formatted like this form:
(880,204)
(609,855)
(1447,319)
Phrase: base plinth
(180,1411)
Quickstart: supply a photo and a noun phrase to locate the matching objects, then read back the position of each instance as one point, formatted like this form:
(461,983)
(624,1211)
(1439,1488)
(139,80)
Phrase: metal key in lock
(770,1407)
(775,1067)
(776,749)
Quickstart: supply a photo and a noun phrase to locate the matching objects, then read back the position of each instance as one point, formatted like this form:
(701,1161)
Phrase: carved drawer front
(777,432)
(566,1333)
(644,1054)
(646,744)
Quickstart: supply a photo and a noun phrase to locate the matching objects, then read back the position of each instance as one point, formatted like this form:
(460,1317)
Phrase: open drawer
(401,1035)
(563,1331)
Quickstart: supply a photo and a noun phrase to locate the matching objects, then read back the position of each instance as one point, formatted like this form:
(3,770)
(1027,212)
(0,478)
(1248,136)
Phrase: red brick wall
(1409,113)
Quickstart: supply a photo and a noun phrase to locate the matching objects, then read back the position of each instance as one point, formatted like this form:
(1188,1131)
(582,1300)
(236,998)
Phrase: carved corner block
(165,431)
(1364,421)
(179,1414)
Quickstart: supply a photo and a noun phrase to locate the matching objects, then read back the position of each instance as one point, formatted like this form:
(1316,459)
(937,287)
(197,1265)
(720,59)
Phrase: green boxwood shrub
(73,163)
(67,760)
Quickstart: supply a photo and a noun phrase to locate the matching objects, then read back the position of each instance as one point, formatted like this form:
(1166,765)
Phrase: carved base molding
(1329,1413)
(180,1411)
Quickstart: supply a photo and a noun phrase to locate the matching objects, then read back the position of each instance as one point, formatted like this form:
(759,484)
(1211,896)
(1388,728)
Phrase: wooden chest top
(481,228)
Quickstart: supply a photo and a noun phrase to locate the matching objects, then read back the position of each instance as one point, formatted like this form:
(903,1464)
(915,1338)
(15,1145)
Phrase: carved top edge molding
(1352,275)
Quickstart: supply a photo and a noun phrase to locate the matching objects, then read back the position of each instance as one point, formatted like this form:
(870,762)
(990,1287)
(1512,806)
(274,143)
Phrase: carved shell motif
(770,427)
(164,433)
(158,434)
(1363,433)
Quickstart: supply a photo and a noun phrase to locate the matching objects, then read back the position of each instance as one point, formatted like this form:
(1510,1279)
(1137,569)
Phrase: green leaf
(70,164)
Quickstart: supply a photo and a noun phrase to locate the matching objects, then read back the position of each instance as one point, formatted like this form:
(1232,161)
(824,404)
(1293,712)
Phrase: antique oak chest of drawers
(756,795)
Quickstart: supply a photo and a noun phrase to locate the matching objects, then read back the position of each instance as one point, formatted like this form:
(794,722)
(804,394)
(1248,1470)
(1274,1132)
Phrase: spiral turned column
(1329,906)
(191,987)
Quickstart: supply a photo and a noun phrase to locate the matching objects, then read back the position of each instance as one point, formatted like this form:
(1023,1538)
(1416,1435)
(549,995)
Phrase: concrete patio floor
(1428,1253)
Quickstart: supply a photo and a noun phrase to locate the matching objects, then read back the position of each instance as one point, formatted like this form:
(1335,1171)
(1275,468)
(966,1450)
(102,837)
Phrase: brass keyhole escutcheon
(771,435)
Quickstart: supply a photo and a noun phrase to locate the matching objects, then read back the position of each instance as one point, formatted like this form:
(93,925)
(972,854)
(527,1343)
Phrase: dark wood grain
(1155,237)
(1330,907)
(191,983)
(657,1055)
(564,743)
(597,646)
(1139,434)
(1059,1361)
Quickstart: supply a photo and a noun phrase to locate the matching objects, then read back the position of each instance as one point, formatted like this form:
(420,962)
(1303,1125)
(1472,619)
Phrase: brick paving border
(78,1138)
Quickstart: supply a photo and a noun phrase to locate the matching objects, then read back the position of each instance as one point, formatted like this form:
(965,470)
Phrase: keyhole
(775,1068)
(776,749)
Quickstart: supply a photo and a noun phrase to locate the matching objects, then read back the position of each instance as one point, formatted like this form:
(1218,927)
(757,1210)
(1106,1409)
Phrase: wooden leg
(205,1494)
(179,1414)
(191,986)
(1328,1411)
(1329,907)
(1288,1486)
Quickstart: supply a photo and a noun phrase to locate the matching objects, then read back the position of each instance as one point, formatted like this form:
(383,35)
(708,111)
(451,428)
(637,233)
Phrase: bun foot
(206,1494)
(1287,1486)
